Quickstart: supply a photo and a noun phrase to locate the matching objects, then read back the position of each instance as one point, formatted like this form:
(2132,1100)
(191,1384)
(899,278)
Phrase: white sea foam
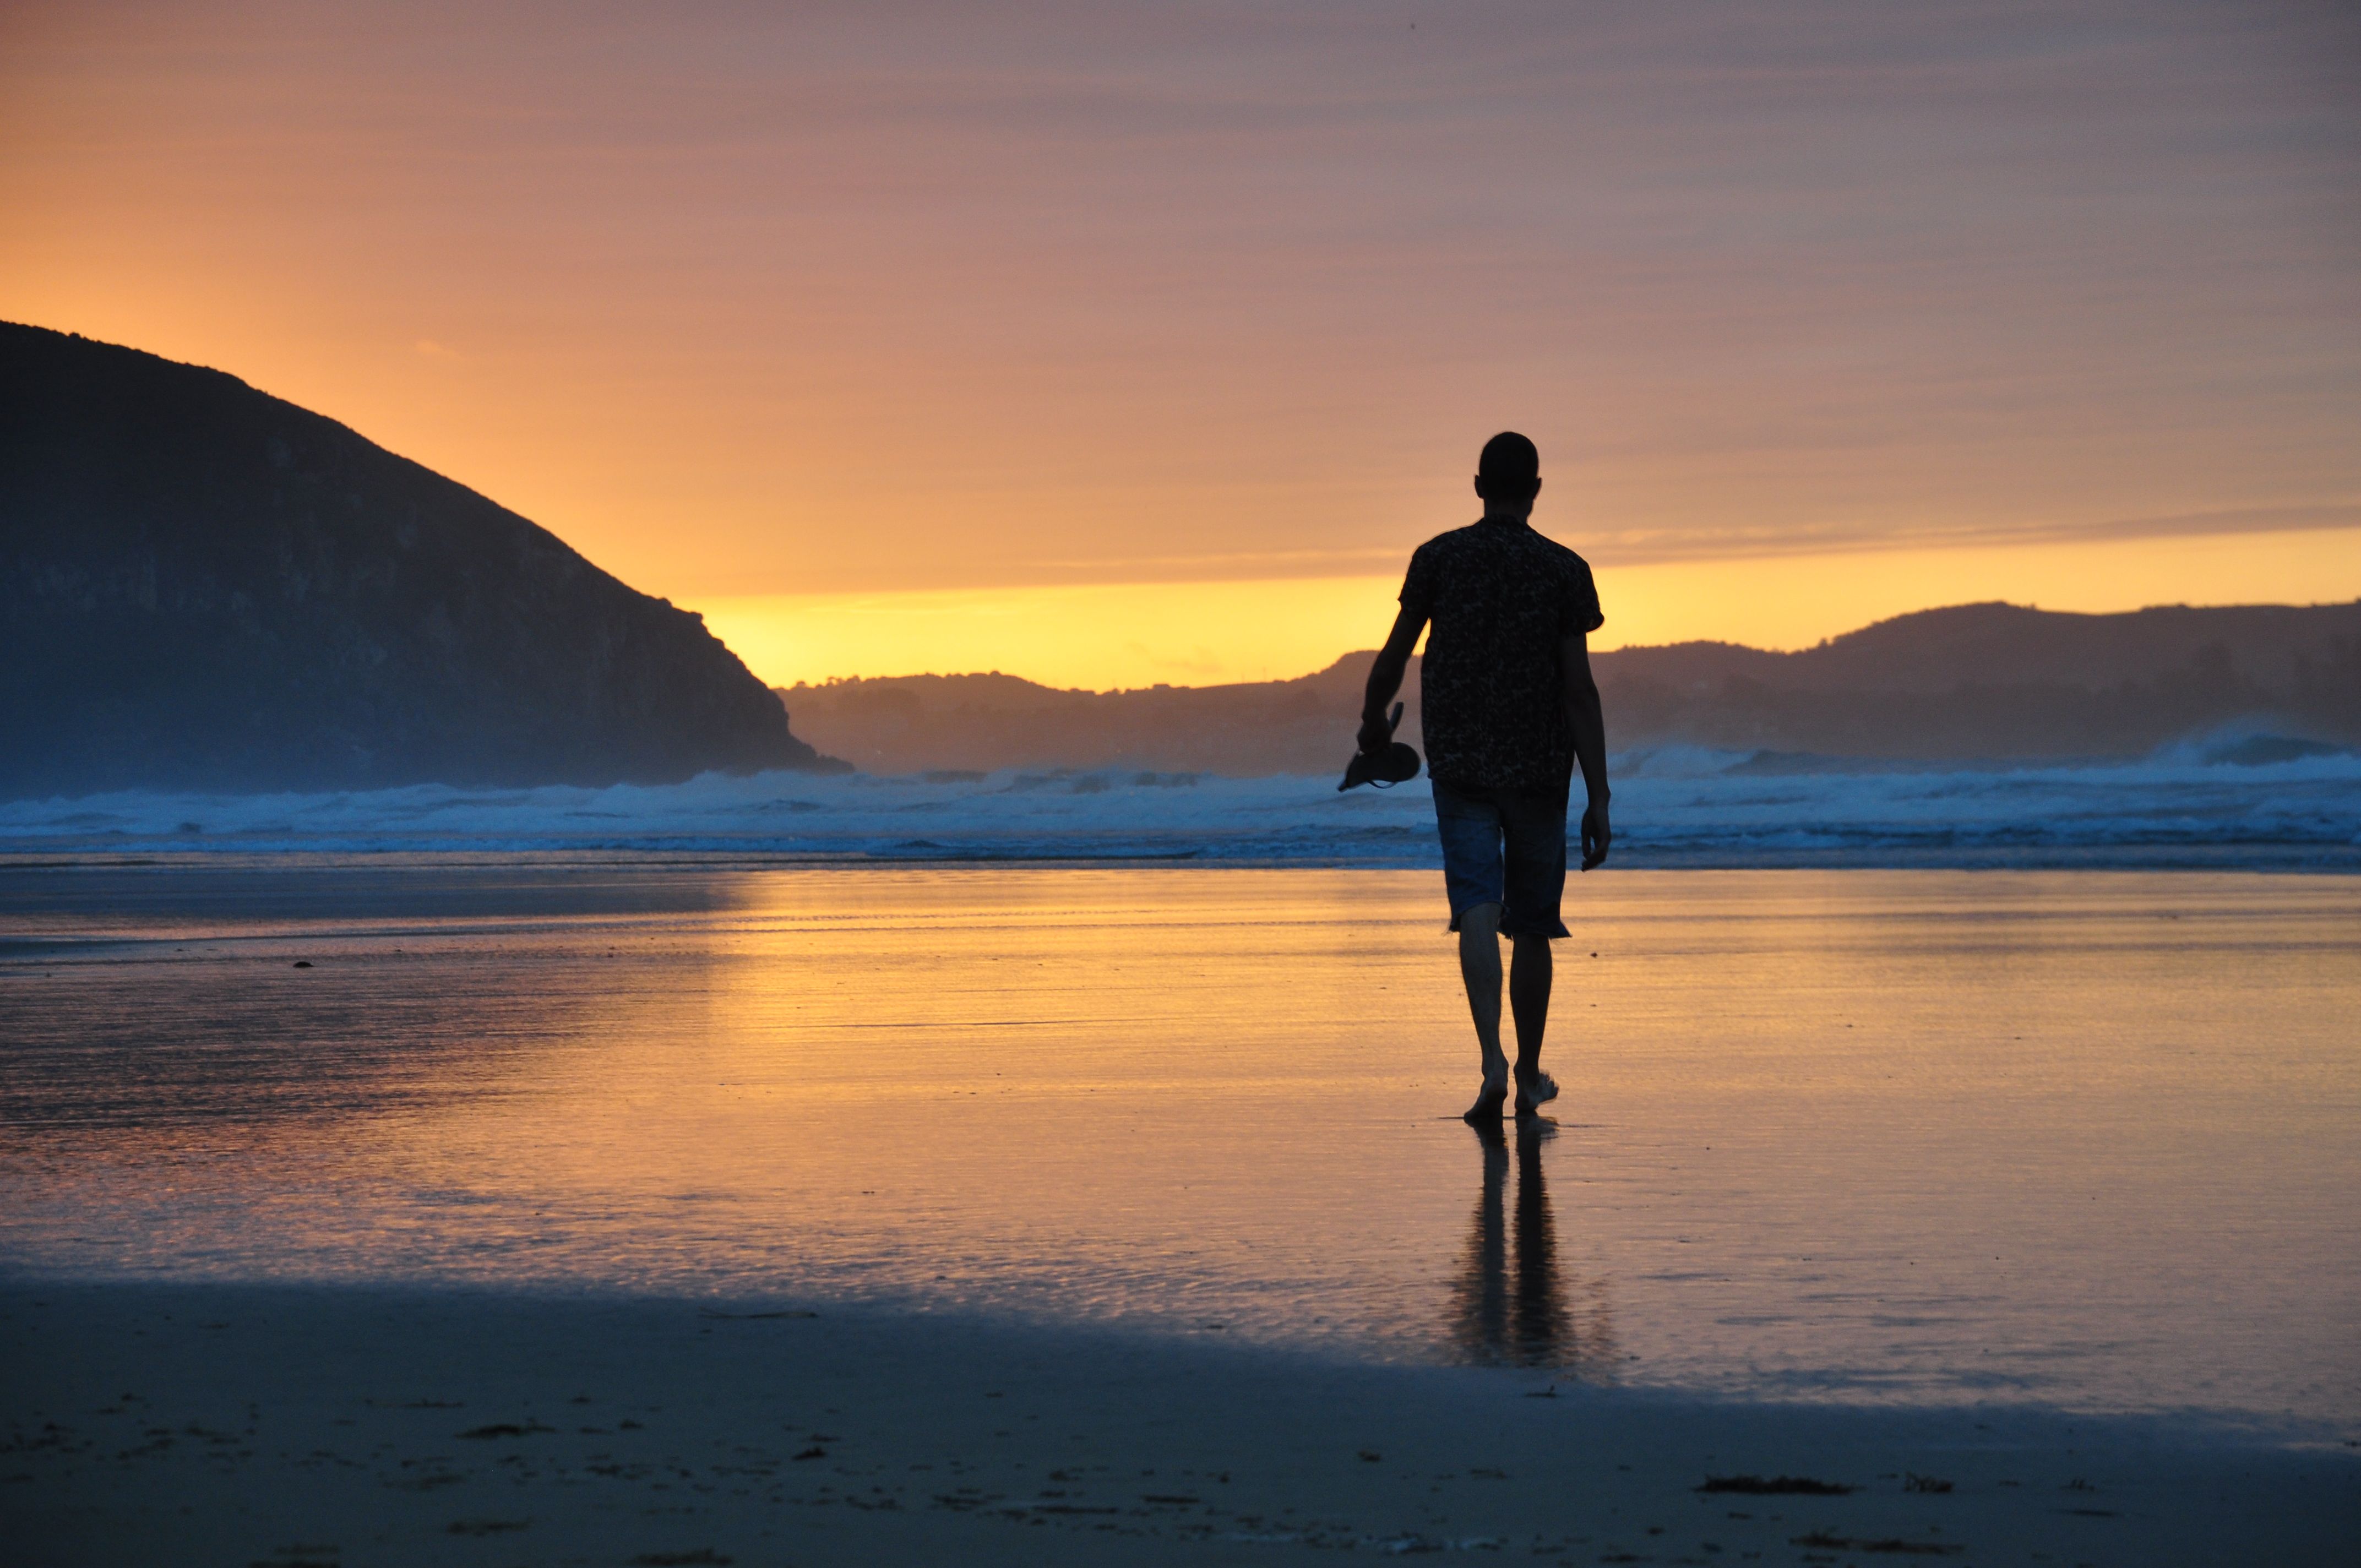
(1687,806)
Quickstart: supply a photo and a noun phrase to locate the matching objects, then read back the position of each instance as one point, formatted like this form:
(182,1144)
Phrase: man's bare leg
(1530,972)
(1479,967)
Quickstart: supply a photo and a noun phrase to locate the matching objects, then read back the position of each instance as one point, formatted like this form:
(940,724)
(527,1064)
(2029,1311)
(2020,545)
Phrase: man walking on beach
(1510,709)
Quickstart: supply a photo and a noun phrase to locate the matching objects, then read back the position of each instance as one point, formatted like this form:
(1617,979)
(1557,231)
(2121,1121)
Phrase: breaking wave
(2256,801)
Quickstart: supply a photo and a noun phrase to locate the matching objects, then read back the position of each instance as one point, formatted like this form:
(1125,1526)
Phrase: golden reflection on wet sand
(2085,1137)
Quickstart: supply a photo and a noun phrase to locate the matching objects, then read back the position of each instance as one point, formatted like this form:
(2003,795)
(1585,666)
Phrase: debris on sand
(486,1527)
(1827,1542)
(1775,1486)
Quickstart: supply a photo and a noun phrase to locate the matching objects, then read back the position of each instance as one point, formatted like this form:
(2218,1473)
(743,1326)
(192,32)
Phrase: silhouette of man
(1509,708)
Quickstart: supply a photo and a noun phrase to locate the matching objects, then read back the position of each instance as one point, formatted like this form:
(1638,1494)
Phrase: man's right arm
(1385,678)
(1583,717)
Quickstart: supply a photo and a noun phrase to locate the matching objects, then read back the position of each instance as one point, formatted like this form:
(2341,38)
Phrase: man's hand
(1376,735)
(1596,834)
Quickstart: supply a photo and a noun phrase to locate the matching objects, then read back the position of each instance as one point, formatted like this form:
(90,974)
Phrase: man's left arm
(1385,678)
(1583,717)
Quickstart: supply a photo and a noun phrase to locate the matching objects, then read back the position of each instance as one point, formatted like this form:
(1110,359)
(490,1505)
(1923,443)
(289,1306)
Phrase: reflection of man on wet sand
(1510,709)
(1505,1321)
(1510,1300)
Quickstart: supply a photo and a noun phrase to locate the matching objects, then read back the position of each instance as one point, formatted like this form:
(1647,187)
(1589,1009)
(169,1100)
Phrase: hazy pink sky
(758,300)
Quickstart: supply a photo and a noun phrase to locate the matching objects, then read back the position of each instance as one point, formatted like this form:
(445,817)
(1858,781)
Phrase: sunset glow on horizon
(1209,633)
(1111,345)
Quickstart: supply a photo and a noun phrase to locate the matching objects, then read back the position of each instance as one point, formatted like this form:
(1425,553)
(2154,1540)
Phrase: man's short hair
(1510,469)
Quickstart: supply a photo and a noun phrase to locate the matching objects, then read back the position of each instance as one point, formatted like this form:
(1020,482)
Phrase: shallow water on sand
(2092,1139)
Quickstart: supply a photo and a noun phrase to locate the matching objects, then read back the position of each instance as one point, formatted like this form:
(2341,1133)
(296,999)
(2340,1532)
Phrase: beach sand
(514,1214)
(242,1425)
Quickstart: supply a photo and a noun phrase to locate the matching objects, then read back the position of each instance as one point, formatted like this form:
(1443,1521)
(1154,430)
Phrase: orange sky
(865,328)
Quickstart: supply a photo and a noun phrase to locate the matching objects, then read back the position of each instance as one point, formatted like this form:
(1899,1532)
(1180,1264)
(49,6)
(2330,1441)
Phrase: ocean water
(2251,802)
(2087,1140)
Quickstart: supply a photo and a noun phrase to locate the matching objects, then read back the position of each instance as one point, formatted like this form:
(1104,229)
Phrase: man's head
(1509,476)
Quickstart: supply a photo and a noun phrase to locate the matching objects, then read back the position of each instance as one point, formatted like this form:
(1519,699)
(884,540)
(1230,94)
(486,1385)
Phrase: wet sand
(2086,1141)
(241,1425)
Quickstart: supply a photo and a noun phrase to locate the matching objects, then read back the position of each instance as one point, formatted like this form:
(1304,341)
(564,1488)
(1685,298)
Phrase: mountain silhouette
(1979,681)
(205,587)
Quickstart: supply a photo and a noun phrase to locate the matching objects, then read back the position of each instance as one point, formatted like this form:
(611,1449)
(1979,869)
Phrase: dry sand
(251,1425)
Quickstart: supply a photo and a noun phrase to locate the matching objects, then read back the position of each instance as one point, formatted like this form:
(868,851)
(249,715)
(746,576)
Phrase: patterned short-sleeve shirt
(1498,598)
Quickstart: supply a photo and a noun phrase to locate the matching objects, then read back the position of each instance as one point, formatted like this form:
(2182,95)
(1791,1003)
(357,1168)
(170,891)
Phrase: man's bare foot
(1489,1101)
(1534,1089)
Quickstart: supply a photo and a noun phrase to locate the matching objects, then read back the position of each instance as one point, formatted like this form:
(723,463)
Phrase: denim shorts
(1505,847)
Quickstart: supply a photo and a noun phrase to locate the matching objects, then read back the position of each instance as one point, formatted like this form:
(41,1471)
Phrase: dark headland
(204,586)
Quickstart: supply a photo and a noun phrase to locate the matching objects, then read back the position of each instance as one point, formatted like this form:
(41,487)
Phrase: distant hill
(915,723)
(1982,681)
(205,587)
(2001,681)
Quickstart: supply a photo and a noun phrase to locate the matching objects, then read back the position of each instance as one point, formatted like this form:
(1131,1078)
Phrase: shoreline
(2239,860)
(203,1423)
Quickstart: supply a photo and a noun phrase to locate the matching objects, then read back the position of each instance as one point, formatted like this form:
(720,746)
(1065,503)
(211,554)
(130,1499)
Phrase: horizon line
(1627,648)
